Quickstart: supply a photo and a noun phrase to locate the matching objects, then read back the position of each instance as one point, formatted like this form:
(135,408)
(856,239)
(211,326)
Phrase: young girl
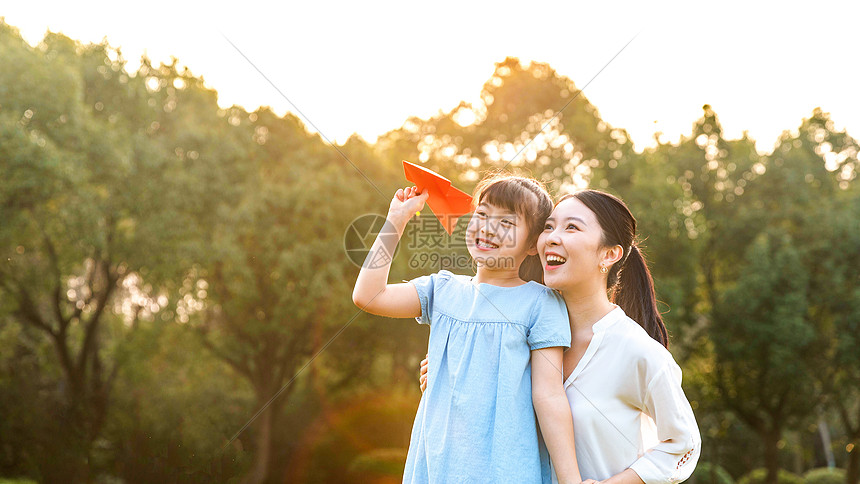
(496,345)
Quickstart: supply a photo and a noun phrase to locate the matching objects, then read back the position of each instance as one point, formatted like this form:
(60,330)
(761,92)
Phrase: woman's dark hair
(526,197)
(629,281)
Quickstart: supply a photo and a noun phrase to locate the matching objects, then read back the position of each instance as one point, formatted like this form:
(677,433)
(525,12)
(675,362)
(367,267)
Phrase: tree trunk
(853,473)
(770,438)
(263,446)
(826,441)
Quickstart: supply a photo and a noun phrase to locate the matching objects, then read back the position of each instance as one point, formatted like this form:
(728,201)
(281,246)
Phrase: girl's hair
(528,198)
(629,281)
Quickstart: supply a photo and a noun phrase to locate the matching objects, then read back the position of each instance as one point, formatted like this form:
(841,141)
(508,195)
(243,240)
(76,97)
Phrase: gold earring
(603,269)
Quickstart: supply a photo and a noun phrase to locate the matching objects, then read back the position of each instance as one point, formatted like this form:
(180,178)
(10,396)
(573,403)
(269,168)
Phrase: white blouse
(629,410)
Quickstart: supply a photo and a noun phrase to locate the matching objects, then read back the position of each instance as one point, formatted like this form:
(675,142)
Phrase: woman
(632,422)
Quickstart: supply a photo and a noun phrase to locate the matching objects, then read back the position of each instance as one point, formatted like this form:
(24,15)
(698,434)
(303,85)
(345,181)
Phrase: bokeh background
(175,294)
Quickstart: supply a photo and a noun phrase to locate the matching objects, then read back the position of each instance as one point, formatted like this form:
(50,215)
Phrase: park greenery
(175,297)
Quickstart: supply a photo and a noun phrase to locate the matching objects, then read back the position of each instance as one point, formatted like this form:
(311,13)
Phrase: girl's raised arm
(372,292)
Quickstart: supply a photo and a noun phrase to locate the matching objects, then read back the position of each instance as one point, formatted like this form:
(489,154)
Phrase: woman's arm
(553,412)
(628,476)
(372,292)
(674,458)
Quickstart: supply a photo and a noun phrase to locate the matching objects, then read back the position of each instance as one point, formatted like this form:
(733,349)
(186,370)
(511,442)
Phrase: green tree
(836,276)
(76,237)
(759,330)
(172,406)
(530,120)
(276,280)
(841,309)
(767,325)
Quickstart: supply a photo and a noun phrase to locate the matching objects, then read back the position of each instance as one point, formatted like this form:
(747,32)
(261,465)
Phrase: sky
(365,67)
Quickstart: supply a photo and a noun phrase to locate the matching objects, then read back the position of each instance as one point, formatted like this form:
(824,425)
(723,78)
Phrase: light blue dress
(476,422)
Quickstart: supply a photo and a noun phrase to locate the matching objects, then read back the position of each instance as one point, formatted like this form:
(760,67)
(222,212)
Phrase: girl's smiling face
(497,238)
(570,246)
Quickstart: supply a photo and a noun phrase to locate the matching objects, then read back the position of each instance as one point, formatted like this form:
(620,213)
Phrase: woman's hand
(405,203)
(627,476)
(422,373)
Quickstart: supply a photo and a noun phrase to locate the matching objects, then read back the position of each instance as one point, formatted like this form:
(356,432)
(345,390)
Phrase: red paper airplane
(447,203)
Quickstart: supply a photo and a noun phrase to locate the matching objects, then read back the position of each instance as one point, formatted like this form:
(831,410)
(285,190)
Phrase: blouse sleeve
(425,285)
(675,457)
(549,325)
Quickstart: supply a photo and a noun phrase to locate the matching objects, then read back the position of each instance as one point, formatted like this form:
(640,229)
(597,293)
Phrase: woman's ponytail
(629,282)
(636,296)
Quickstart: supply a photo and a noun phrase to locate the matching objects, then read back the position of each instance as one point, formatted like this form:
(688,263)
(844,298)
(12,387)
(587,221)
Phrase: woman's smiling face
(569,246)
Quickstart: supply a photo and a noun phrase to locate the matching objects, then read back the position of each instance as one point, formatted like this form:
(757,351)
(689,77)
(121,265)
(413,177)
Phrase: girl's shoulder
(543,293)
(543,302)
(443,279)
(536,286)
(447,276)
(531,287)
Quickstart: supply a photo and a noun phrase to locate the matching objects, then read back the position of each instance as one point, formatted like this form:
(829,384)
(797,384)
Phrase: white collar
(608,320)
